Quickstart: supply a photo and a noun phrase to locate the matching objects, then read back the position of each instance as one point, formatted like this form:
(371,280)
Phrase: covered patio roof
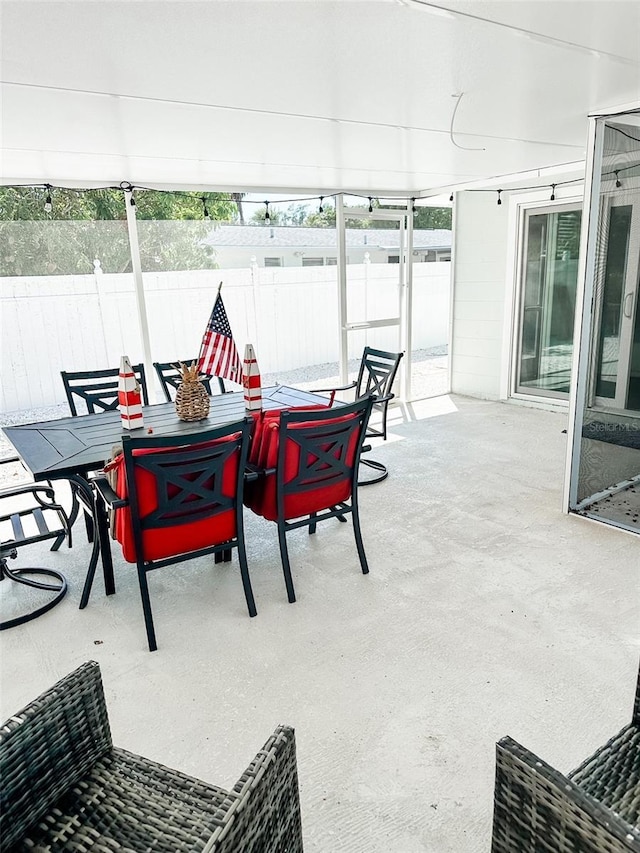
(379,97)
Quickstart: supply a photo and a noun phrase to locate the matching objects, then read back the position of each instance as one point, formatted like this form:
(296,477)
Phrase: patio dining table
(70,448)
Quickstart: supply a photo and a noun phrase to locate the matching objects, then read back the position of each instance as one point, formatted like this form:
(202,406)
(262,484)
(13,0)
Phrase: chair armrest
(335,388)
(251,472)
(108,495)
(6,459)
(26,488)
(254,472)
(537,807)
(262,812)
(612,774)
(48,747)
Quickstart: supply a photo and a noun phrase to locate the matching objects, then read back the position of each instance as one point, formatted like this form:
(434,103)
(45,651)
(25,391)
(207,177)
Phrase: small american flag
(218,353)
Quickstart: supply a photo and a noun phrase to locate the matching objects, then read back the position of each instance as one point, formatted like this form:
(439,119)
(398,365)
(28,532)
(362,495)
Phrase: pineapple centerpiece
(192,400)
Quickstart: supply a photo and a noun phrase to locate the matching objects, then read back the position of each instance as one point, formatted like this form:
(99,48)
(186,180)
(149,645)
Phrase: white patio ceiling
(307,95)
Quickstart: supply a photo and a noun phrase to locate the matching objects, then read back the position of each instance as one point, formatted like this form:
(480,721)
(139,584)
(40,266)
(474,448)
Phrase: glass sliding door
(604,462)
(549,268)
(616,369)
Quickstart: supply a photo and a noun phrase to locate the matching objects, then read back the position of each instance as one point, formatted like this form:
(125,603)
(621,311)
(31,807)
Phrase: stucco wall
(480,258)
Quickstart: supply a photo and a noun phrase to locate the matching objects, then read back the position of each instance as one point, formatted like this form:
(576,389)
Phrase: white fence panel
(54,323)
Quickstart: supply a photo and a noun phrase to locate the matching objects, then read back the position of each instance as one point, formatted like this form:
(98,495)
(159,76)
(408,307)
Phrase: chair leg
(246,580)
(88,523)
(312,524)
(358,535)
(286,567)
(146,609)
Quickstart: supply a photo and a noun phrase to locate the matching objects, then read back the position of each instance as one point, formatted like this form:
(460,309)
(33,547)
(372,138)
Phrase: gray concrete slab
(486,612)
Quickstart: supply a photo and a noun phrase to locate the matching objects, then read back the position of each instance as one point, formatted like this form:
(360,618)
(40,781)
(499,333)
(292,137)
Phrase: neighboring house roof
(287,237)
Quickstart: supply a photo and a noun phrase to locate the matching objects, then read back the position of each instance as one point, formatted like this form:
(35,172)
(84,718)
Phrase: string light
(451,197)
(553,192)
(499,199)
(618,182)
(132,200)
(370,205)
(205,211)
(48,204)
(413,205)
(320,208)
(267,217)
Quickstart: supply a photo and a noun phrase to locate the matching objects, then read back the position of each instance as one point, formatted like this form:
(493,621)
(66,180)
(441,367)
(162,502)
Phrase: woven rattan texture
(538,809)
(612,775)
(48,747)
(112,800)
(128,802)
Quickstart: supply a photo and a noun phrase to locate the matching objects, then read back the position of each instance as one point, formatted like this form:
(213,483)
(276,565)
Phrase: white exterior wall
(479,273)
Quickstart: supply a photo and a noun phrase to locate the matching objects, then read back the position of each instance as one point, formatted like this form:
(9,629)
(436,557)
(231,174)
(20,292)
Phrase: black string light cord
(125,186)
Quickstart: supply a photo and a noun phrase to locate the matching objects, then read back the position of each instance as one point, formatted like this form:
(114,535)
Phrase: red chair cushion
(185,535)
(261,498)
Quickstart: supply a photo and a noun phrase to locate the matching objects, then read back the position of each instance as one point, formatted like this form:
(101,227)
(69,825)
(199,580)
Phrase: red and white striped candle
(251,381)
(129,401)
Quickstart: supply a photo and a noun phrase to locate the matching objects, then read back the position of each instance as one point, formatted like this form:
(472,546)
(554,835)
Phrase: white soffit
(307,95)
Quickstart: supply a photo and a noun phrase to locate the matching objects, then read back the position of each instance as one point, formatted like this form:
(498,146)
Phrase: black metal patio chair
(98,389)
(593,809)
(307,473)
(65,787)
(29,513)
(169,377)
(178,498)
(376,375)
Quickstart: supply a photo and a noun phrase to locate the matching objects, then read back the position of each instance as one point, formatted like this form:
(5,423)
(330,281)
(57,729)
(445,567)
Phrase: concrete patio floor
(486,612)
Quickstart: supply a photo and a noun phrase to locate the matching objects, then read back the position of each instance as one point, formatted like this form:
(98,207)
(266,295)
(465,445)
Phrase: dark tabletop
(78,445)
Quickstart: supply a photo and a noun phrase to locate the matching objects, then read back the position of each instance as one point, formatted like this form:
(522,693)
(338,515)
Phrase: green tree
(84,225)
(432,218)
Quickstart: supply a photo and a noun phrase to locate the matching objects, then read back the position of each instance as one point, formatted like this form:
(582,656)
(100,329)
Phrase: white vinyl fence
(290,315)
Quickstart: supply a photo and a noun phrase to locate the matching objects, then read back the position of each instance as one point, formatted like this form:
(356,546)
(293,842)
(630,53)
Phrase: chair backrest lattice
(169,376)
(318,454)
(98,389)
(377,374)
(193,482)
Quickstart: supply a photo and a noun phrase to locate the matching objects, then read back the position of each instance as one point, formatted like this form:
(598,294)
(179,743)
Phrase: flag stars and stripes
(218,353)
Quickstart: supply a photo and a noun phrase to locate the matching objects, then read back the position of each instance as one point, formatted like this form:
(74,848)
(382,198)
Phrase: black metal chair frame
(99,388)
(99,391)
(169,377)
(193,473)
(377,373)
(44,500)
(318,467)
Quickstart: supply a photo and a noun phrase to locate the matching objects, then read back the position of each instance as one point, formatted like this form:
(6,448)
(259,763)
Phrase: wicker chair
(66,787)
(594,809)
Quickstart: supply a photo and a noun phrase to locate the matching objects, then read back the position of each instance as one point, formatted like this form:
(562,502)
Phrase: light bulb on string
(48,204)
(451,197)
(267,217)
(499,199)
(320,208)
(370,205)
(205,210)
(413,205)
(618,181)
(132,200)
(553,192)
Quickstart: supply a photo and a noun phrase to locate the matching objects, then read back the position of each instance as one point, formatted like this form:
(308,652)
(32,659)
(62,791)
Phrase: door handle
(627,309)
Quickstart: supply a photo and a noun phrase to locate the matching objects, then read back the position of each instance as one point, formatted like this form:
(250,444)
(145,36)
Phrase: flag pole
(219,288)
